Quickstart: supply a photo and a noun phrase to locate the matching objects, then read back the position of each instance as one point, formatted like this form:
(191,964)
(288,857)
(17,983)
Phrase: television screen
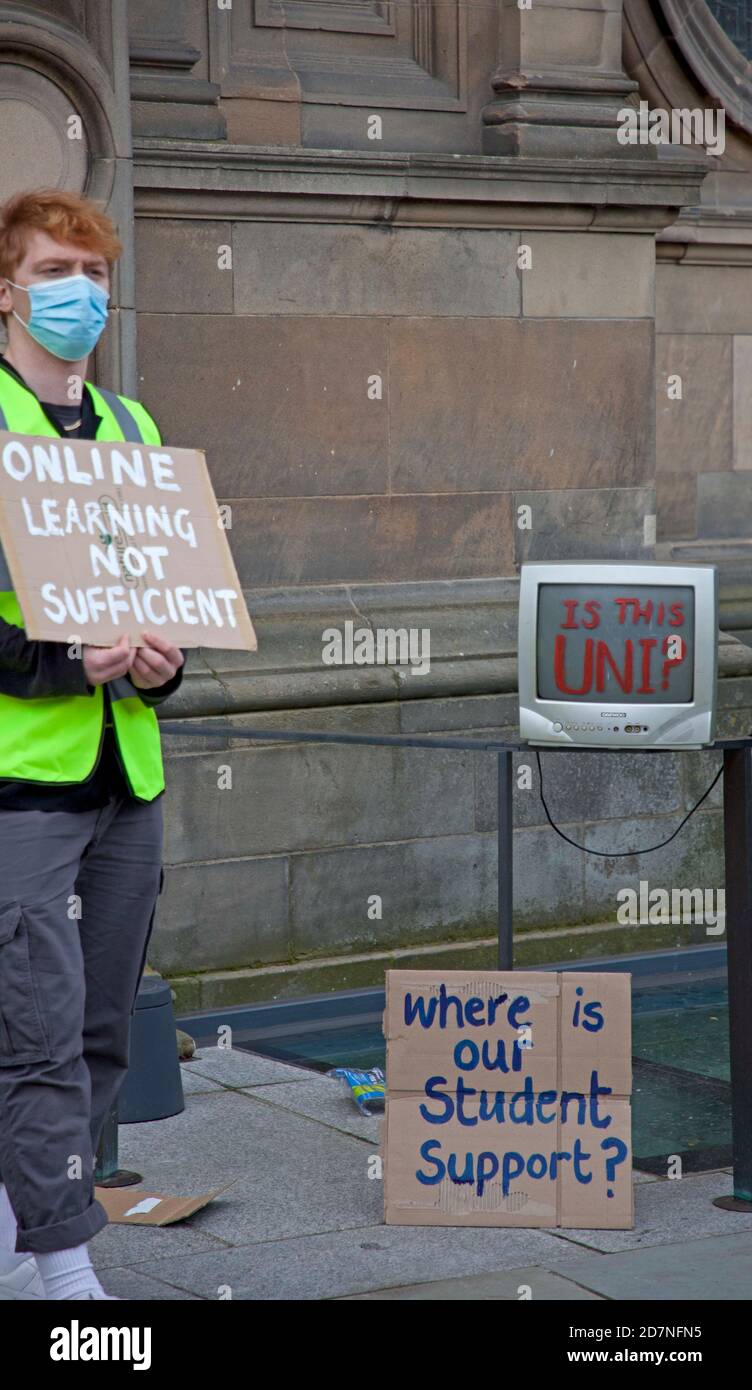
(616,642)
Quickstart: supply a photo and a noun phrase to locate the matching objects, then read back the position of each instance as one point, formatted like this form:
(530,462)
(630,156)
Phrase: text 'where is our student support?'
(508,1099)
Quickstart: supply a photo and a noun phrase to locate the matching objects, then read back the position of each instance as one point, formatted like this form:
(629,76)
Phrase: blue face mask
(67,315)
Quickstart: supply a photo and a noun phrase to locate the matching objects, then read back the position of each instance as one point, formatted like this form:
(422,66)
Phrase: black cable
(623,853)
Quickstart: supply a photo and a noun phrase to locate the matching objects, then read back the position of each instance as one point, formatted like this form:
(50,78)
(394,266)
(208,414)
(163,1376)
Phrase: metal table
(737,817)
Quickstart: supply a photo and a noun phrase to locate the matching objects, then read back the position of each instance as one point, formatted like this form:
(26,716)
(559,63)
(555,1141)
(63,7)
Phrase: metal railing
(737,815)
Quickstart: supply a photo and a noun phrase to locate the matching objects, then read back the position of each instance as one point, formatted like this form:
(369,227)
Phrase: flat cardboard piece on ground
(157,1209)
(537,1142)
(84,516)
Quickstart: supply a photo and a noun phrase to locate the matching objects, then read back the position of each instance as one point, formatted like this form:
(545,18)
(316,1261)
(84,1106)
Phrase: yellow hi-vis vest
(58,738)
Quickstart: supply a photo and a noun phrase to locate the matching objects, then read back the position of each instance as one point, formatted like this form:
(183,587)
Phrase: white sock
(10,1259)
(68,1273)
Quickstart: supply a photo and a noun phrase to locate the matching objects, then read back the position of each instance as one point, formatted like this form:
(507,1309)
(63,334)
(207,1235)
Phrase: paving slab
(291,1175)
(672,1210)
(356,1261)
(510,1285)
(710,1269)
(323,1099)
(136,1287)
(196,1081)
(231,1066)
(120,1244)
(304,1220)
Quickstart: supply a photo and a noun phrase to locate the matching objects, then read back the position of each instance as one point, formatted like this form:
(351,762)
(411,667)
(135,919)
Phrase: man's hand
(107,663)
(155,663)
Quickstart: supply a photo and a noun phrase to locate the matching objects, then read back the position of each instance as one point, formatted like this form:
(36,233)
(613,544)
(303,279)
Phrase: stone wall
(271,878)
(496,388)
(394,271)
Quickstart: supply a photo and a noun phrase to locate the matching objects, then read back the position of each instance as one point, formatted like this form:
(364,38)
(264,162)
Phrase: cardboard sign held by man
(106,539)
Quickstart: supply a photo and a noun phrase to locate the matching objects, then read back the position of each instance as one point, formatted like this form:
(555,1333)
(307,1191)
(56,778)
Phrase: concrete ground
(303,1219)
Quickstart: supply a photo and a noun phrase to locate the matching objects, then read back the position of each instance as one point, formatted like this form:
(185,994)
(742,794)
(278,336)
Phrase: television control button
(578,728)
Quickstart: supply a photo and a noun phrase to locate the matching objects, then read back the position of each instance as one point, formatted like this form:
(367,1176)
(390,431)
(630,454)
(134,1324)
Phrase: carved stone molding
(720,67)
(681,54)
(411,190)
(36,116)
(560,84)
(377,53)
(60,74)
(168,99)
(678,56)
(358,17)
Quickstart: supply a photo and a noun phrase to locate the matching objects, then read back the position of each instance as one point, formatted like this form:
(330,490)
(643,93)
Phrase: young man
(81,781)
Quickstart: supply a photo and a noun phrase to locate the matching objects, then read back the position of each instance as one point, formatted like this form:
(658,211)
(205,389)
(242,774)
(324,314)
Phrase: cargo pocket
(23,1036)
(146,943)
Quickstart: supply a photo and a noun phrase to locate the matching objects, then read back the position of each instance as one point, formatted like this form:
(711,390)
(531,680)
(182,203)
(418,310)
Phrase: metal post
(505,866)
(106,1172)
(737,814)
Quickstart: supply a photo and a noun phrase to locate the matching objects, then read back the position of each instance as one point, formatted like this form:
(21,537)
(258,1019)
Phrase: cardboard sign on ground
(102,539)
(508,1099)
(130,1206)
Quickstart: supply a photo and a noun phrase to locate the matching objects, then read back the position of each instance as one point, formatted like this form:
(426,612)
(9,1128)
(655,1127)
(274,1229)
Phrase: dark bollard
(153,1087)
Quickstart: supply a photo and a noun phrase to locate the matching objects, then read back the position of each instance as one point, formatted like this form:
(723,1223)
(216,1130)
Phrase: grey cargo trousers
(78,896)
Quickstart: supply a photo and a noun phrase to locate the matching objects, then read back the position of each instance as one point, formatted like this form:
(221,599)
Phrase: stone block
(496,405)
(698,770)
(703,299)
(734,707)
(308,797)
(582,786)
(693,860)
(585,275)
(584,524)
(178,268)
(372,539)
(479,714)
(217,915)
(576,5)
(280,405)
(330,125)
(743,401)
(571,36)
(253,122)
(428,890)
(175,120)
(694,435)
(548,880)
(323,269)
(676,503)
(724,504)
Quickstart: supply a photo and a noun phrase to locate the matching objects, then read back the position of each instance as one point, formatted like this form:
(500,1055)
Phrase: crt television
(618,655)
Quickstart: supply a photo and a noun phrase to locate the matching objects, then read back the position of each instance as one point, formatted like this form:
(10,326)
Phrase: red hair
(63,216)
